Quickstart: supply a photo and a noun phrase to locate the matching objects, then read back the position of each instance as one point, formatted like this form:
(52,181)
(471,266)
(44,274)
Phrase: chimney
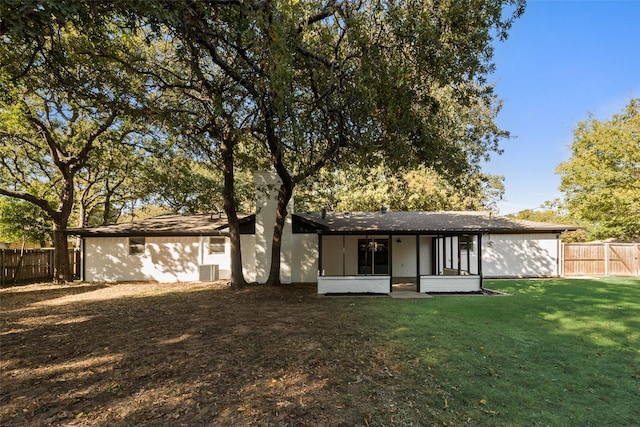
(267,187)
(324,213)
(384,209)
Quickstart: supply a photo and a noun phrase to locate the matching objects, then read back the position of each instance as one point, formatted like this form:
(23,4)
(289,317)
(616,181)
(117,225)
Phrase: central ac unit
(208,273)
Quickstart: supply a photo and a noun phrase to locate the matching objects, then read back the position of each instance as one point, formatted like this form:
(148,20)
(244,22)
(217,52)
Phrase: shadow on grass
(603,310)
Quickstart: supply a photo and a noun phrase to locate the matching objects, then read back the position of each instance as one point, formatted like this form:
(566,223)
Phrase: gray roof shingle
(426,222)
(334,223)
(164,225)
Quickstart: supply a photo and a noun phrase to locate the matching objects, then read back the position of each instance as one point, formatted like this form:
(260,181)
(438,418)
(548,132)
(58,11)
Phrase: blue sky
(562,61)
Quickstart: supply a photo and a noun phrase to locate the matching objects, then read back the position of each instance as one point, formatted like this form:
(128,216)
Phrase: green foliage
(553,212)
(419,189)
(22,221)
(65,97)
(183,185)
(601,180)
(320,82)
(296,85)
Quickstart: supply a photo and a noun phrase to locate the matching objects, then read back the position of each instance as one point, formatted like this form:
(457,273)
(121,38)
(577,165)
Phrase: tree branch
(40,202)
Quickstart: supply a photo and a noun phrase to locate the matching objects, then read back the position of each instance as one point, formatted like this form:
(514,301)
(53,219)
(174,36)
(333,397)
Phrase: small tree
(23,222)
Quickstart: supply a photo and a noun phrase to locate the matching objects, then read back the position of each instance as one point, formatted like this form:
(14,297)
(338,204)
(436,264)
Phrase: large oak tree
(318,82)
(310,83)
(62,99)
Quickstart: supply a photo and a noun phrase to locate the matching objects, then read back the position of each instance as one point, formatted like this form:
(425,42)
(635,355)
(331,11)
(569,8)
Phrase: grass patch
(554,352)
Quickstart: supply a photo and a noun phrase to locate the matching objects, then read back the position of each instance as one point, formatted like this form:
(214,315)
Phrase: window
(373,256)
(217,245)
(466,243)
(136,245)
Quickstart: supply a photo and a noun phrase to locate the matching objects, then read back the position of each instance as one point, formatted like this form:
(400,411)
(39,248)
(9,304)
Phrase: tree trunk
(106,213)
(237,276)
(61,266)
(284,196)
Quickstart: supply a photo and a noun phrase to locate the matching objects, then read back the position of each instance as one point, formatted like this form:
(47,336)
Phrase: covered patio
(382,252)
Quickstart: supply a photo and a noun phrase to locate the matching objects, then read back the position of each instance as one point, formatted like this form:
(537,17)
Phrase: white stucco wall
(248,251)
(404,259)
(332,255)
(304,258)
(354,284)
(165,259)
(340,255)
(426,263)
(520,255)
(449,284)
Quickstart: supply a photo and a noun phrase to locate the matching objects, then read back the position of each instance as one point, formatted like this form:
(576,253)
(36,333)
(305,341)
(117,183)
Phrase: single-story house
(343,252)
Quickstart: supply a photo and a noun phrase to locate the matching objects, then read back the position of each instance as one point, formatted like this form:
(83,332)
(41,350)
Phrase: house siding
(304,259)
(165,259)
(248,251)
(520,255)
(450,284)
(404,259)
(354,284)
(178,259)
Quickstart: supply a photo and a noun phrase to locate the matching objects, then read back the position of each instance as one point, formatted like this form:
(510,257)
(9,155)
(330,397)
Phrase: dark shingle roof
(164,225)
(425,222)
(333,223)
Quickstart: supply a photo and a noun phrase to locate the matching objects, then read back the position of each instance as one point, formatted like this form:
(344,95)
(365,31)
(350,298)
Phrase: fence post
(606,259)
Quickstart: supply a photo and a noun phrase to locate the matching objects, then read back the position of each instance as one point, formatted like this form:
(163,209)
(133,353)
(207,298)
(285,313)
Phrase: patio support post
(469,244)
(451,251)
(320,236)
(444,254)
(480,259)
(418,262)
(390,262)
(82,259)
(459,256)
(344,256)
(435,256)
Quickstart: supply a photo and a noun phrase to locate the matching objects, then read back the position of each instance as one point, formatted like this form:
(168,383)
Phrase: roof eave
(141,233)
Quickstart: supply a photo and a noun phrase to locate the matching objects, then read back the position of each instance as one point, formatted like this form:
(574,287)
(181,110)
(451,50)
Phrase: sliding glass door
(373,256)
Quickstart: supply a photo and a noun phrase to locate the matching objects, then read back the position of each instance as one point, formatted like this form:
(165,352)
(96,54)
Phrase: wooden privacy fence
(31,265)
(601,259)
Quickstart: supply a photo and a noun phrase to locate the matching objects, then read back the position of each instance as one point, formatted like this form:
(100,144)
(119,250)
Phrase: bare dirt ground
(190,354)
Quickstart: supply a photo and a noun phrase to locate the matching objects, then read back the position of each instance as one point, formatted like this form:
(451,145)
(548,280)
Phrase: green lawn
(554,352)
